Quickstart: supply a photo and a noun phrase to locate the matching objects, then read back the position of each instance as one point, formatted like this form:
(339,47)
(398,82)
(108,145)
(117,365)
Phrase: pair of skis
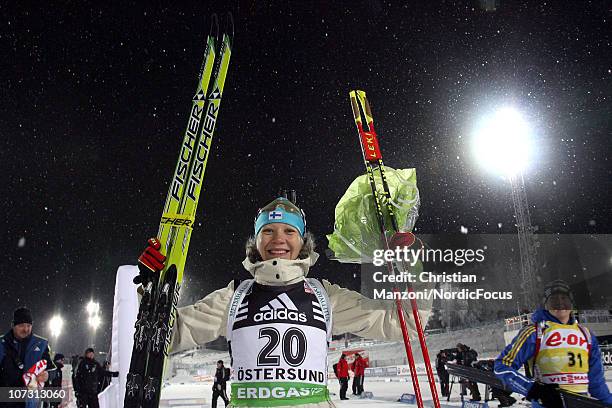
(157,311)
(372,158)
(569,399)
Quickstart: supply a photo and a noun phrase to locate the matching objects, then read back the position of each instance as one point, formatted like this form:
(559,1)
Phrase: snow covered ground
(188,390)
(386,392)
(186,393)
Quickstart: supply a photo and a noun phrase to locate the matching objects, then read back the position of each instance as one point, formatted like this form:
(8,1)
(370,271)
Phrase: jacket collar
(544,315)
(280,272)
(8,336)
(10,339)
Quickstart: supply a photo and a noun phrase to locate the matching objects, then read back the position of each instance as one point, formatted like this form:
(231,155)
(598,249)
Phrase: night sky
(95,100)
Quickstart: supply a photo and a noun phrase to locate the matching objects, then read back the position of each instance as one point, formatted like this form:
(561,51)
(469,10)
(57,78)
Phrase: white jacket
(206,320)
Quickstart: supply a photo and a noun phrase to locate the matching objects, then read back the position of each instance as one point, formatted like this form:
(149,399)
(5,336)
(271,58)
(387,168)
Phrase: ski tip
(214,25)
(228,29)
(357,94)
(229,24)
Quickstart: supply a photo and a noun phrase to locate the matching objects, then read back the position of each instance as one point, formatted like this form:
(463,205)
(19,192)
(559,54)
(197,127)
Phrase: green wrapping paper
(356,232)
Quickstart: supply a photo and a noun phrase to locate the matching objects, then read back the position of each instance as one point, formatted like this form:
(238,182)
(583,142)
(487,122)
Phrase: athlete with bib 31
(560,353)
(279,323)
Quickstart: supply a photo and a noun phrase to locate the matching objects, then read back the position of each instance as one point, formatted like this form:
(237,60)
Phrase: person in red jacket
(359,367)
(342,371)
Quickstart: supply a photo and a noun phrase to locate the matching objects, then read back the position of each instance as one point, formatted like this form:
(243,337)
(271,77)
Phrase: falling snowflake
(463,230)
(21,242)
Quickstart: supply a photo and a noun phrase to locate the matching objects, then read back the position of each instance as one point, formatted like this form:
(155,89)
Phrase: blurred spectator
(22,358)
(87,380)
(221,378)
(359,366)
(342,372)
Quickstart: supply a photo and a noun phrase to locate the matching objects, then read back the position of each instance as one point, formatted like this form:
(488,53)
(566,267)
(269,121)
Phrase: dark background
(95,100)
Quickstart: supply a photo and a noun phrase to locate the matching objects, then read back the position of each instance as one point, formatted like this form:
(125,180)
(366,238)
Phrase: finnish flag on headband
(275,215)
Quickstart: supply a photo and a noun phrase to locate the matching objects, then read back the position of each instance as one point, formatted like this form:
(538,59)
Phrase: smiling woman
(279,227)
(280,318)
(280,233)
(279,241)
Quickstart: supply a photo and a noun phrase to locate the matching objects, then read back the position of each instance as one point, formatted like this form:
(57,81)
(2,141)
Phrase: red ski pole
(425,351)
(372,156)
(408,346)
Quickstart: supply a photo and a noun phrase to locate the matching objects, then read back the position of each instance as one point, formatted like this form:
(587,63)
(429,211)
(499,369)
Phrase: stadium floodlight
(95,321)
(93,308)
(56,323)
(502,142)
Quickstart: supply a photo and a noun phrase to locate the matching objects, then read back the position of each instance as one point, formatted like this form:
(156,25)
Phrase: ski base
(157,311)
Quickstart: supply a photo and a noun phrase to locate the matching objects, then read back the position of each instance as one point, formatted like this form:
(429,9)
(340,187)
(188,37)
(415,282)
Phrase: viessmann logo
(279,308)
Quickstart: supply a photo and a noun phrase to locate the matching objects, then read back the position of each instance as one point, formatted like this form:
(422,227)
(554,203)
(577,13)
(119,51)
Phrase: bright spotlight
(93,307)
(501,142)
(95,321)
(56,323)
